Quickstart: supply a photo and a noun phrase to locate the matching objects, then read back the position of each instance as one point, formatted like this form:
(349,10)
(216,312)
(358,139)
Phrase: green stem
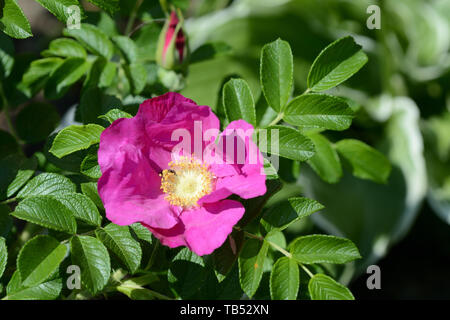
(132,18)
(9,201)
(143,24)
(277,119)
(153,256)
(277,247)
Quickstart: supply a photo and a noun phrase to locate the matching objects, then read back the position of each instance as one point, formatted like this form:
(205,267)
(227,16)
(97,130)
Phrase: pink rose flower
(177,188)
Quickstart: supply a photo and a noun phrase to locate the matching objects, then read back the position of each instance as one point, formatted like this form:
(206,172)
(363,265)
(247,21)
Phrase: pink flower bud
(171,49)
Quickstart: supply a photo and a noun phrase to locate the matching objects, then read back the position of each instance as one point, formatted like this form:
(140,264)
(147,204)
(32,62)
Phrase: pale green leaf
(323,249)
(284,279)
(114,114)
(284,213)
(251,263)
(61,9)
(74,138)
(286,142)
(47,184)
(325,161)
(93,259)
(13,22)
(335,64)
(81,207)
(367,162)
(47,212)
(276,73)
(64,47)
(238,101)
(38,259)
(119,240)
(3,255)
(322,287)
(319,111)
(66,74)
(93,39)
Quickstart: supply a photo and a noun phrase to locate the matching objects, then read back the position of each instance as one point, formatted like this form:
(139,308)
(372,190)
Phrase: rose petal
(204,229)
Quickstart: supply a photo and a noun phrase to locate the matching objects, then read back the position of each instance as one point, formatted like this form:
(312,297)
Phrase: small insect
(172,171)
(168,170)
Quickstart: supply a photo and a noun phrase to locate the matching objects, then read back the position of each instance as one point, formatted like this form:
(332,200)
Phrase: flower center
(186,182)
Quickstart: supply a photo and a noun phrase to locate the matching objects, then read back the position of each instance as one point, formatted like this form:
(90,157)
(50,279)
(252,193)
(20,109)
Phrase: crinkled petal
(204,229)
(242,169)
(129,187)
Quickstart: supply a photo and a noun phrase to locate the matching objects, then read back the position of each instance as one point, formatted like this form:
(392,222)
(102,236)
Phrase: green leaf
(60,8)
(127,47)
(325,161)
(81,207)
(90,190)
(15,170)
(137,74)
(47,212)
(319,111)
(69,72)
(47,184)
(6,56)
(276,73)
(93,39)
(110,6)
(35,78)
(367,162)
(93,259)
(238,101)
(66,48)
(36,121)
(322,287)
(38,259)
(290,143)
(45,291)
(90,166)
(251,263)
(114,114)
(13,22)
(3,255)
(335,64)
(25,171)
(141,232)
(284,213)
(74,138)
(209,51)
(119,240)
(187,273)
(284,279)
(323,249)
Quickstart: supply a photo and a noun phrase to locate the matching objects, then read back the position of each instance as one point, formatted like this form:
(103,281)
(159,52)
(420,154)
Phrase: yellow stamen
(186,182)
